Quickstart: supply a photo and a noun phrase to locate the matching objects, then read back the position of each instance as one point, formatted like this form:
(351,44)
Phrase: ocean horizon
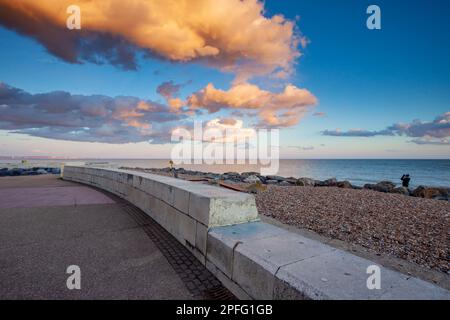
(429,172)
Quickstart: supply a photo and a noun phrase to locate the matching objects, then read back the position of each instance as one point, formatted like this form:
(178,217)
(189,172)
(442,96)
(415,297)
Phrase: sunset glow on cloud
(232,35)
(139,69)
(275,109)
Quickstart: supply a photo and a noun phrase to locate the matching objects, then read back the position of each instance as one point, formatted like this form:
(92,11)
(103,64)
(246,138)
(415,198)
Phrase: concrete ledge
(268,262)
(251,258)
(185,209)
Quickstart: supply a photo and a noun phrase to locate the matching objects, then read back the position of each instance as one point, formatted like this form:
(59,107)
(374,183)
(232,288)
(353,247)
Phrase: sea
(358,172)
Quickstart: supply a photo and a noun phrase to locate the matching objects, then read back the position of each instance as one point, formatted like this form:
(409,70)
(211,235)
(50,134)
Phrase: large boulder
(16,171)
(330,182)
(252,179)
(383,186)
(248,174)
(345,184)
(256,187)
(285,184)
(277,178)
(306,182)
(430,193)
(4,172)
(271,181)
(401,190)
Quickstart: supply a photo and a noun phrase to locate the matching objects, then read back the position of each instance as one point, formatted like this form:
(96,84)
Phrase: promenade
(47,224)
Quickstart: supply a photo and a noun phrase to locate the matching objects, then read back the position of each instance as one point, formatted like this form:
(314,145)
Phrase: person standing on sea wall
(405,180)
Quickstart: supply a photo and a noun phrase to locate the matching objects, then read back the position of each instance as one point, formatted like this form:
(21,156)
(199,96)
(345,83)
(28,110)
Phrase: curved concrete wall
(253,259)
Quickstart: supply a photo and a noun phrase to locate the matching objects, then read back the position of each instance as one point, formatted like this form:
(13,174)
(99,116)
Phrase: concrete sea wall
(255,260)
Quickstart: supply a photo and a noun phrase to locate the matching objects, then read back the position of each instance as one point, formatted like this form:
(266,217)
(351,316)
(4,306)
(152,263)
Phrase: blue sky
(363,79)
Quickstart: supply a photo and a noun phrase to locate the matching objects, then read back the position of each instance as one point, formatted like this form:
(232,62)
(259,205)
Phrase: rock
(41,171)
(212,176)
(401,190)
(256,187)
(56,170)
(329,183)
(271,181)
(430,193)
(277,178)
(15,172)
(306,182)
(262,178)
(232,174)
(252,179)
(320,183)
(345,184)
(248,174)
(383,186)
(181,170)
(292,180)
(285,184)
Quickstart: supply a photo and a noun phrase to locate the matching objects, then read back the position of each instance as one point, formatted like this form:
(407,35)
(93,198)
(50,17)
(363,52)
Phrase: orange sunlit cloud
(232,35)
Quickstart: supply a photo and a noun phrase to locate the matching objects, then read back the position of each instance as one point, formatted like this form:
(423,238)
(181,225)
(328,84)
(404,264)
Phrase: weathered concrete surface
(37,244)
(51,196)
(252,259)
(268,262)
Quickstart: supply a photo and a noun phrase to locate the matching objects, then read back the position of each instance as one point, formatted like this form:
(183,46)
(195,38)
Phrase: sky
(138,70)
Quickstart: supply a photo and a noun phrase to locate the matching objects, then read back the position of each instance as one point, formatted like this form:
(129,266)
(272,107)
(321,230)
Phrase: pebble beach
(414,226)
(414,229)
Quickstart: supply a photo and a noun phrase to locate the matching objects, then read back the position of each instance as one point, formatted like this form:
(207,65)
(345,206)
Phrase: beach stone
(262,178)
(256,187)
(56,170)
(369,186)
(212,176)
(252,179)
(285,184)
(41,171)
(331,182)
(383,186)
(248,174)
(306,182)
(430,193)
(277,178)
(401,190)
(15,172)
(4,172)
(345,184)
(292,180)
(271,181)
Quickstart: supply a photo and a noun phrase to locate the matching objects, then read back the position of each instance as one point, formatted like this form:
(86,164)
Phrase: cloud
(307,148)
(438,128)
(218,130)
(431,132)
(283,109)
(431,141)
(356,133)
(169,89)
(61,115)
(319,114)
(232,35)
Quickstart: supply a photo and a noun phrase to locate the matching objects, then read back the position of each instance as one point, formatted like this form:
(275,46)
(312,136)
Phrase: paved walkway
(47,224)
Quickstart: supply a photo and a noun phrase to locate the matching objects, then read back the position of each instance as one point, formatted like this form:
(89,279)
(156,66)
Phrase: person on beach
(405,180)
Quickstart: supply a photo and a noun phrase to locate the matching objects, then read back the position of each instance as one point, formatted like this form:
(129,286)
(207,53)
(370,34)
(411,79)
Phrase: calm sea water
(358,172)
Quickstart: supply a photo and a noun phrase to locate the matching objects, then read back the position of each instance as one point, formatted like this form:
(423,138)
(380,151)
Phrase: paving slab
(111,241)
